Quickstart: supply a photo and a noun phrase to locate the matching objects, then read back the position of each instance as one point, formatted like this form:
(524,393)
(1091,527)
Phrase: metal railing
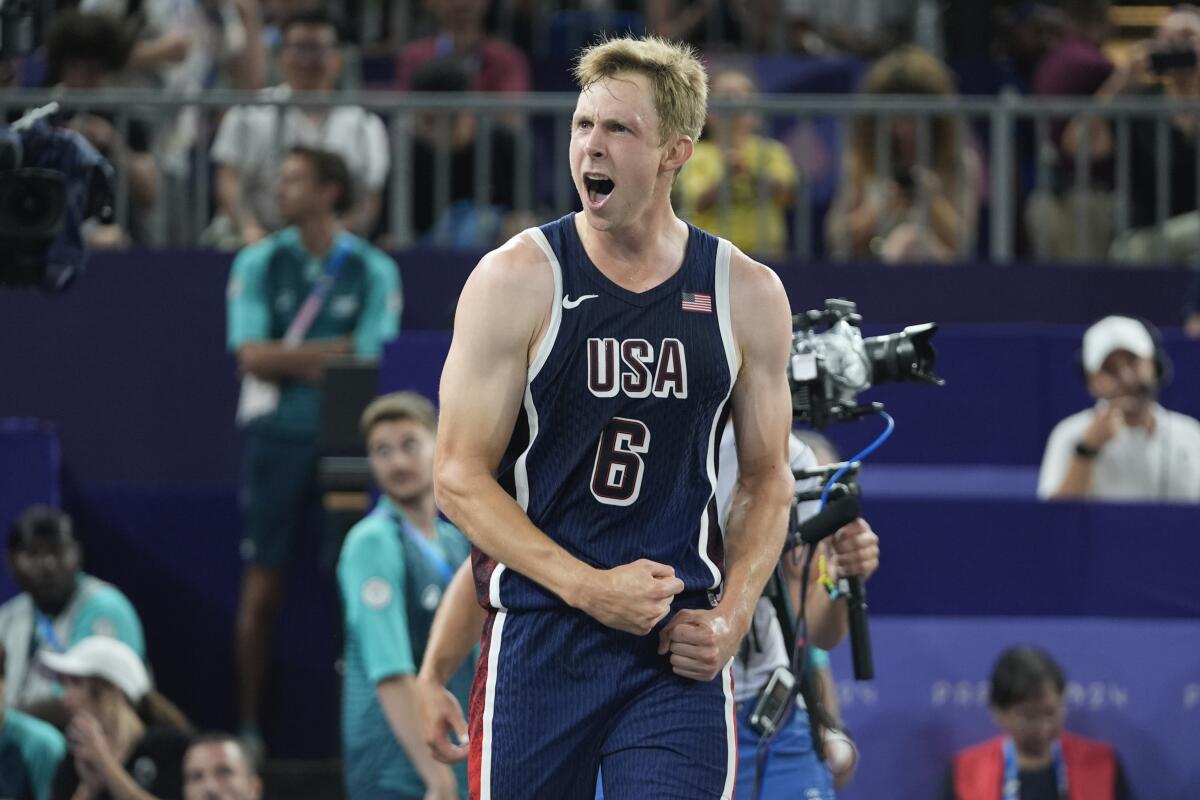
(540,124)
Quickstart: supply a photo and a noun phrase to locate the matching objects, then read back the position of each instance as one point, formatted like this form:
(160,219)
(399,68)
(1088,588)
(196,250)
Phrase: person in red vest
(1034,759)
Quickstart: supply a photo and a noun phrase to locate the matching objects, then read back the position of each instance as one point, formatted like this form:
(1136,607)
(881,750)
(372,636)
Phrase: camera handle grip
(860,633)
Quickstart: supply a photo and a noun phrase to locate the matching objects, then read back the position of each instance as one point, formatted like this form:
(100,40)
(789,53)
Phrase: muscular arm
(702,642)
(456,629)
(397,696)
(504,309)
(274,361)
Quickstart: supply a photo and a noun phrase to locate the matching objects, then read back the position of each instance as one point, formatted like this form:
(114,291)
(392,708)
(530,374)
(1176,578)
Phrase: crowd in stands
(459,170)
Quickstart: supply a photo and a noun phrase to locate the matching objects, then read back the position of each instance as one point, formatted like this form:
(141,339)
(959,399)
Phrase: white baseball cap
(1115,333)
(103,657)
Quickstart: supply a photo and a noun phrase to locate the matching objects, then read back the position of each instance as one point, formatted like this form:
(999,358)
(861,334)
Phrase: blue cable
(764,753)
(866,451)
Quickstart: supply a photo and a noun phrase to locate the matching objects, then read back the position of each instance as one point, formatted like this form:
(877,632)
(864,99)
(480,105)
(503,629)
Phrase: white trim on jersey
(489,707)
(721,290)
(520,471)
(730,732)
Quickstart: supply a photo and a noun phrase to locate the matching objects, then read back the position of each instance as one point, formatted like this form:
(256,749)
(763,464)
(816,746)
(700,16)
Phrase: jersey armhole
(548,338)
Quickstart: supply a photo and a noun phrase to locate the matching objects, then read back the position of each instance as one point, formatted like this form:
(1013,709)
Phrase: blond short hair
(679,80)
(398,406)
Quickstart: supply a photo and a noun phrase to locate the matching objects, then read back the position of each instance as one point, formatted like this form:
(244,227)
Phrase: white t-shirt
(248,140)
(767,650)
(1135,464)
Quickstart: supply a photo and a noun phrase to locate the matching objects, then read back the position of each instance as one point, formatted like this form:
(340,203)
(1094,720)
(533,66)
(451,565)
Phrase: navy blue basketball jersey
(614,452)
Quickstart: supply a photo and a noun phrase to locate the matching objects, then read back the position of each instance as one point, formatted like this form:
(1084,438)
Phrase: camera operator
(794,765)
(797,767)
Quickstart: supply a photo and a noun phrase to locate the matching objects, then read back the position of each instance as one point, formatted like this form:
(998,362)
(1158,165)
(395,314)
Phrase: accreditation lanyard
(307,314)
(1012,777)
(431,553)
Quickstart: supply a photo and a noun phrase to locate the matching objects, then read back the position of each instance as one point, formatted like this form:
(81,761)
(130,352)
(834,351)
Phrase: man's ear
(678,154)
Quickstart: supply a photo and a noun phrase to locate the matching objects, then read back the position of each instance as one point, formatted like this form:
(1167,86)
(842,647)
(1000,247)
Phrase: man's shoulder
(31,733)
(1183,424)
(15,606)
(371,536)
(1074,424)
(516,262)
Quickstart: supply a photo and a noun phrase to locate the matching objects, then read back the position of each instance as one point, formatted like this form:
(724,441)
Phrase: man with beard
(393,570)
(59,604)
(1126,447)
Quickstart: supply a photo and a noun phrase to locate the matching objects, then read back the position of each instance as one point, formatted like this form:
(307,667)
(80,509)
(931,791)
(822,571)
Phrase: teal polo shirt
(390,590)
(30,752)
(269,282)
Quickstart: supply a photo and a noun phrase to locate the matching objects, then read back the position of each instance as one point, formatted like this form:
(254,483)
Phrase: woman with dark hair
(1034,759)
(126,741)
(892,204)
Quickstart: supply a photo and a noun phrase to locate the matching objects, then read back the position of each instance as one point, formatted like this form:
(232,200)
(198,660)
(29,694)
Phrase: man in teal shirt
(59,604)
(30,751)
(394,567)
(306,293)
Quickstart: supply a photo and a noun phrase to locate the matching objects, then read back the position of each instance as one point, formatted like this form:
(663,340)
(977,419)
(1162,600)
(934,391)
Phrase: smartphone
(772,704)
(1166,60)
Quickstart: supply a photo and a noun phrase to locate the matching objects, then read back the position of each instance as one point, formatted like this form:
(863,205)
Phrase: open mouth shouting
(597,189)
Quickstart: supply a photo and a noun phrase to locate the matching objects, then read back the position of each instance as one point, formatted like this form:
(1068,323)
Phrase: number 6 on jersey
(617,476)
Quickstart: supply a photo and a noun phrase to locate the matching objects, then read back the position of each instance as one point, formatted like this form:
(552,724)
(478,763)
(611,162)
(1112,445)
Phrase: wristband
(1083,451)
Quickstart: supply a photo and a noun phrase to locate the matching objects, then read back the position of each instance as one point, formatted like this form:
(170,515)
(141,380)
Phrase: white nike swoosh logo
(569,303)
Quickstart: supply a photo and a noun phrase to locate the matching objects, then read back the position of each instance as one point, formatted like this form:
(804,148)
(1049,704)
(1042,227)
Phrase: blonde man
(393,570)
(594,362)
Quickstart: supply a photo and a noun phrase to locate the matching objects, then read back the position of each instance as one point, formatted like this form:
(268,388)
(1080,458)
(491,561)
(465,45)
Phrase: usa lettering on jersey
(633,368)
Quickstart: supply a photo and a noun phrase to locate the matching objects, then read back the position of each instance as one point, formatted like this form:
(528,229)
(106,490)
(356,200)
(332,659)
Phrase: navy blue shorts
(557,696)
(279,499)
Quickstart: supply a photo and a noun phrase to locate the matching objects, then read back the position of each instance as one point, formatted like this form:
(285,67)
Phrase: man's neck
(466,38)
(317,235)
(640,256)
(421,513)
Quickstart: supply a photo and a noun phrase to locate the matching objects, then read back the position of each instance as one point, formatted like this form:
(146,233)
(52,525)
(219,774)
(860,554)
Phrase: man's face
(734,86)
(401,454)
(46,567)
(616,156)
(310,60)
(300,195)
(218,771)
(1035,723)
(1125,380)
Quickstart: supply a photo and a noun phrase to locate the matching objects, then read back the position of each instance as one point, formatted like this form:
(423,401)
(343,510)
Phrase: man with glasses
(252,140)
(59,604)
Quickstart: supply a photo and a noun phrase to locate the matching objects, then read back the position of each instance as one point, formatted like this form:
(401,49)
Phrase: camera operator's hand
(1107,422)
(854,550)
(700,642)
(632,597)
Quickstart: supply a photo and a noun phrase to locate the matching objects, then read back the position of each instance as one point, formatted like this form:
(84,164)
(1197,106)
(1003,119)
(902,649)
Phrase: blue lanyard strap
(1011,789)
(46,630)
(431,553)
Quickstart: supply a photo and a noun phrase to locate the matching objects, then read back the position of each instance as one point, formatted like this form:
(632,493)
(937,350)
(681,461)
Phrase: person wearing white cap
(1127,447)
(126,742)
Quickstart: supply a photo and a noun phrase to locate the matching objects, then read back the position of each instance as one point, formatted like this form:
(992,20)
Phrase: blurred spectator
(126,741)
(1034,758)
(1127,447)
(759,170)
(30,750)
(250,148)
(308,292)
(181,47)
(216,767)
(1174,50)
(866,28)
(877,213)
(393,570)
(85,52)
(748,26)
(59,605)
(463,223)
(1076,66)
(491,65)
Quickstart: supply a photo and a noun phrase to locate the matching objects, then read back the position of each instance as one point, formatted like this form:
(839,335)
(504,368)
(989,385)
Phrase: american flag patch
(697,301)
